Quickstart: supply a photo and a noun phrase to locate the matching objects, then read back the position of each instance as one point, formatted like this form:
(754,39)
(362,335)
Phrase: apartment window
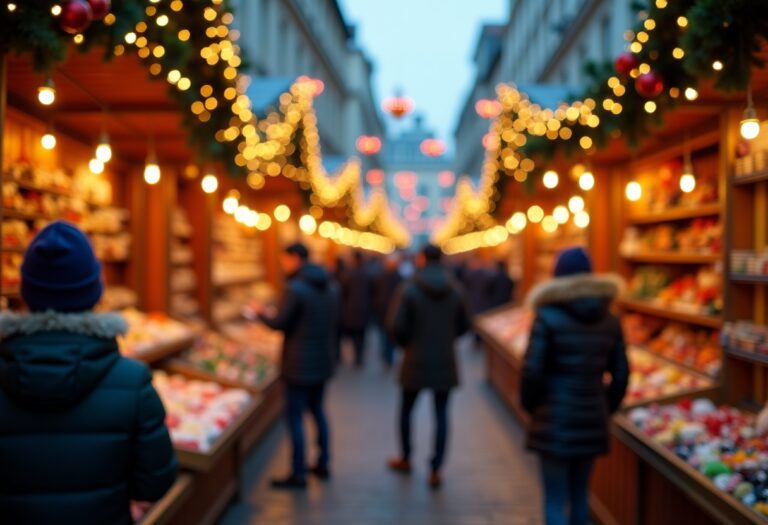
(605,37)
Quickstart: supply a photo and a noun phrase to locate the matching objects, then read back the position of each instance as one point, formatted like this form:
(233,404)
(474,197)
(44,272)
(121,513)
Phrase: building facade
(291,38)
(541,43)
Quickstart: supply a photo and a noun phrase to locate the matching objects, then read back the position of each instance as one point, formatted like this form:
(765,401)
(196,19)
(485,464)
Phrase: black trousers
(441,424)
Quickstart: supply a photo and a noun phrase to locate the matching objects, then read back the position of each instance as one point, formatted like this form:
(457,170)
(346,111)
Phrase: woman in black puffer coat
(82,430)
(574,342)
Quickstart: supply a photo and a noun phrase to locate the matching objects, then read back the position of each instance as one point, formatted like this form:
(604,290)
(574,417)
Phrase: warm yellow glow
(104,151)
(518,220)
(549,224)
(48,141)
(633,191)
(130,38)
(682,21)
(581,219)
(678,53)
(56,10)
(750,128)
(46,94)
(717,65)
(282,213)
(585,142)
(661,4)
(551,179)
(162,20)
(209,183)
(11,7)
(241,214)
(587,181)
(264,222)
(561,215)
(691,93)
(230,205)
(687,183)
(308,224)
(96,166)
(650,106)
(576,204)
(535,214)
(151,173)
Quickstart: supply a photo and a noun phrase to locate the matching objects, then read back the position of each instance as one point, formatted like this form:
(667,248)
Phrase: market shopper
(385,285)
(501,287)
(82,432)
(574,342)
(355,303)
(427,318)
(308,316)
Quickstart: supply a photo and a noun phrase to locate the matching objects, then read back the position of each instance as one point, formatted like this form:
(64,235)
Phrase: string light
(551,179)
(308,224)
(560,214)
(46,94)
(581,219)
(633,191)
(48,140)
(576,204)
(231,202)
(282,213)
(209,183)
(717,65)
(750,124)
(535,214)
(691,93)
(152,172)
(96,166)
(104,150)
(586,181)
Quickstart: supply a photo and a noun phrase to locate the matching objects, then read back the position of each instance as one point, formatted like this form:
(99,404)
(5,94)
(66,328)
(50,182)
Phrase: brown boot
(435,481)
(403,466)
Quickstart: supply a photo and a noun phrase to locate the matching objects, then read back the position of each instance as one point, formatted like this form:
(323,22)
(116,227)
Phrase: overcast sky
(424,47)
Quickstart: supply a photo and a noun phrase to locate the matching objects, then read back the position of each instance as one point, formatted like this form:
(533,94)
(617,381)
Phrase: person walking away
(574,342)
(308,318)
(355,301)
(82,432)
(384,287)
(427,318)
(501,287)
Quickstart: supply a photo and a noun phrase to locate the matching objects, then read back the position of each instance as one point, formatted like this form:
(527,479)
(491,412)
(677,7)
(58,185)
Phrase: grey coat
(428,315)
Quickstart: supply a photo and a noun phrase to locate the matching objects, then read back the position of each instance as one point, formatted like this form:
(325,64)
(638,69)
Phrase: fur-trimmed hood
(585,296)
(107,325)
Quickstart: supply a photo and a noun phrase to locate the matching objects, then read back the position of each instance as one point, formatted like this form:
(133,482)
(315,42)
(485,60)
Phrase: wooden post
(3,91)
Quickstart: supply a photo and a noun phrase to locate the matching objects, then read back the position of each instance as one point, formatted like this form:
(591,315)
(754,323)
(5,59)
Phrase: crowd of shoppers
(64,385)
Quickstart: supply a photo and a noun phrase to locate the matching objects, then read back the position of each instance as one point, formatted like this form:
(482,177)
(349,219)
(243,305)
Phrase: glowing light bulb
(308,224)
(691,93)
(561,215)
(104,150)
(96,166)
(46,94)
(535,214)
(282,213)
(576,204)
(581,219)
(48,141)
(687,183)
(242,214)
(151,173)
(633,191)
(750,124)
(518,222)
(587,181)
(549,224)
(230,205)
(209,183)
(551,179)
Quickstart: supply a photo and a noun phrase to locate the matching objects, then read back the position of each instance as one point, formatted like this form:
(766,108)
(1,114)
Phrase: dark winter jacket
(308,316)
(427,317)
(82,430)
(355,299)
(501,287)
(384,288)
(574,341)
(477,284)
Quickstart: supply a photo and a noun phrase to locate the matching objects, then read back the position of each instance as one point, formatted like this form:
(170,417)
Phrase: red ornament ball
(76,16)
(649,85)
(100,8)
(625,63)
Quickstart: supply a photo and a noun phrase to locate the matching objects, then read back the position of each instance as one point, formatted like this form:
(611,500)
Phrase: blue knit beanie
(573,261)
(60,271)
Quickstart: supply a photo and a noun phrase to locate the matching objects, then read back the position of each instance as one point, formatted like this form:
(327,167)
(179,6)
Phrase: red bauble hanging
(100,8)
(76,16)
(649,85)
(625,63)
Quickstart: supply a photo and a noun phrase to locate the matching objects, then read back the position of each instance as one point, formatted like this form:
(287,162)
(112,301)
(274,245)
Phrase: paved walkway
(489,479)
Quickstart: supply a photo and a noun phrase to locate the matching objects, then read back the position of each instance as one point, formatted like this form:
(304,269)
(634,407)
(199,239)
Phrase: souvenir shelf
(183,279)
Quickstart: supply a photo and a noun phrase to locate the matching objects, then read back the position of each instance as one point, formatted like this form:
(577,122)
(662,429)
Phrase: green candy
(742,489)
(715,468)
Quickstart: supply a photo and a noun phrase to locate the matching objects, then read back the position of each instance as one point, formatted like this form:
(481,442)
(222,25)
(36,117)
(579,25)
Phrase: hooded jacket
(574,342)
(82,430)
(428,315)
(308,316)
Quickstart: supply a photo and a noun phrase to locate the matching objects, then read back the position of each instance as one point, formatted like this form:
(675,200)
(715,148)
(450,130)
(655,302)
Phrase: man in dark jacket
(82,430)
(501,287)
(428,316)
(308,318)
(574,342)
(385,286)
(355,303)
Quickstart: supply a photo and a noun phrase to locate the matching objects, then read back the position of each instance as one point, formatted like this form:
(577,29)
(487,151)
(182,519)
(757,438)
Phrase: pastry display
(725,444)
(147,331)
(511,327)
(652,379)
(701,236)
(198,412)
(699,293)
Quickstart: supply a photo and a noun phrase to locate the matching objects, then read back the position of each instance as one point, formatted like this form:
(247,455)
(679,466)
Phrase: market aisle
(489,478)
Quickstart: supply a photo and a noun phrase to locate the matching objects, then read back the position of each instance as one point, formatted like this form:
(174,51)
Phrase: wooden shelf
(677,214)
(237,281)
(747,278)
(752,178)
(26,185)
(673,362)
(674,258)
(751,357)
(161,351)
(667,313)
(162,511)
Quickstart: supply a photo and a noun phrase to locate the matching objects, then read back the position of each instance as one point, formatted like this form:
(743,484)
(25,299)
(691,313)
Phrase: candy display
(229,359)
(694,294)
(725,444)
(651,379)
(701,236)
(148,331)
(511,327)
(257,337)
(198,412)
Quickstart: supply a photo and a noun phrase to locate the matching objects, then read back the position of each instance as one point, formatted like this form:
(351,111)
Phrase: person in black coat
(385,286)
(574,342)
(428,316)
(82,431)
(308,318)
(355,301)
(501,287)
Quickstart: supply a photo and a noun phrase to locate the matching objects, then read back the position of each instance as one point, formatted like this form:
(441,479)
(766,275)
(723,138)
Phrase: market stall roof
(118,97)
(265,92)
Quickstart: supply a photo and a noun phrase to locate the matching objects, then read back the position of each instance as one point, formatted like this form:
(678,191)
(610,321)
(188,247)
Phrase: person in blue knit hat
(575,341)
(82,432)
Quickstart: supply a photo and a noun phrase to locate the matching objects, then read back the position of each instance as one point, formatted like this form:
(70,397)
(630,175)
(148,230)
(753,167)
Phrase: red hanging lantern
(446,179)
(398,106)
(432,147)
(649,85)
(368,145)
(100,8)
(488,108)
(76,16)
(375,177)
(625,63)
